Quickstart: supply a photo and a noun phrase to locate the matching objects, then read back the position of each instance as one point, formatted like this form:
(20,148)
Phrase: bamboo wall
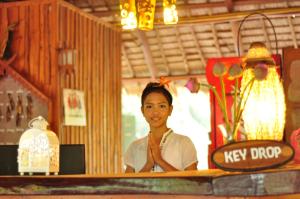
(98,74)
(44,28)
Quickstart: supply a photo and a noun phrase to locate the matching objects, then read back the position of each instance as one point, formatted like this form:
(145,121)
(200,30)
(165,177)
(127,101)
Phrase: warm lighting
(170,12)
(146,9)
(128,14)
(140,13)
(264,112)
(67,60)
(38,150)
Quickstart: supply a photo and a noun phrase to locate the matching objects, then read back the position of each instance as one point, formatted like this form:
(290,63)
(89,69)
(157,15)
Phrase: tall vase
(229,135)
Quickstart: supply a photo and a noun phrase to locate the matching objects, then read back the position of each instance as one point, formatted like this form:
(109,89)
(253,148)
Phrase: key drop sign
(252,155)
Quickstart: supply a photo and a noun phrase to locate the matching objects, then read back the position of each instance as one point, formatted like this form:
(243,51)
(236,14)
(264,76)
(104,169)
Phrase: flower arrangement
(234,72)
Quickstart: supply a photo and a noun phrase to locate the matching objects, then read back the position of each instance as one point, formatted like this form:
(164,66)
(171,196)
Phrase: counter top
(282,181)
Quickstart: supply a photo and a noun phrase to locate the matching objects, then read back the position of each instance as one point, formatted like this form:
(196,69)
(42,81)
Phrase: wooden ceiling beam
(182,51)
(215,36)
(159,9)
(293,32)
(162,52)
(235,16)
(124,53)
(229,5)
(91,4)
(147,54)
(172,78)
(237,46)
(266,35)
(247,2)
(203,61)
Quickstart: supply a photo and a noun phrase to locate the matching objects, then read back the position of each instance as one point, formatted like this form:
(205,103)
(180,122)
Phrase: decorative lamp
(128,14)
(170,12)
(140,13)
(264,112)
(146,9)
(38,149)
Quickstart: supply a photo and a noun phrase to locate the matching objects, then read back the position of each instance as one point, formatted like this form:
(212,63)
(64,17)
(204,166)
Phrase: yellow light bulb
(128,14)
(170,12)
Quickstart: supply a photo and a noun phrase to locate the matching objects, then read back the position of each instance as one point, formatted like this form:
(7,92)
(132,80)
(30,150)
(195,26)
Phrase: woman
(162,149)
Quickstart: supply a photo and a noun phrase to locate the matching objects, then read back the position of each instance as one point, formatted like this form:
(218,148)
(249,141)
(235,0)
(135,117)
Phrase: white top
(178,150)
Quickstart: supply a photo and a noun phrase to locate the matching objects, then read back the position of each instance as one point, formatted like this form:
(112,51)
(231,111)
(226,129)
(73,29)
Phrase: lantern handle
(241,24)
(38,122)
(273,28)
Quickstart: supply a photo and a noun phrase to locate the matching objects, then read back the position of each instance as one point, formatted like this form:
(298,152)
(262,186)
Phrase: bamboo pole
(97,101)
(94,98)
(33,37)
(81,65)
(21,43)
(76,66)
(63,131)
(43,36)
(101,99)
(53,69)
(89,93)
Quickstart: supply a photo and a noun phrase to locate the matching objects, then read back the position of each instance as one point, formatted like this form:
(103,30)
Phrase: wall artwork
(74,108)
(19,103)
(291,73)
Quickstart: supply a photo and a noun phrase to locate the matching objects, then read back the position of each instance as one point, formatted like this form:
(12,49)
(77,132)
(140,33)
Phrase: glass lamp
(170,12)
(128,14)
(264,112)
(146,9)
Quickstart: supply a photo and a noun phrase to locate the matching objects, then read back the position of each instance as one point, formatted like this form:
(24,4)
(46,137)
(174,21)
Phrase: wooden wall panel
(44,28)
(98,74)
(34,43)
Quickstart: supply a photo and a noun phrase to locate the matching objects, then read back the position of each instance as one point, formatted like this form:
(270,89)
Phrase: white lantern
(38,149)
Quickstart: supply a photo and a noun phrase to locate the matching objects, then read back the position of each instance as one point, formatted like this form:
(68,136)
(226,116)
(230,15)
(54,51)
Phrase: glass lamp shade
(146,9)
(128,14)
(38,149)
(264,112)
(170,12)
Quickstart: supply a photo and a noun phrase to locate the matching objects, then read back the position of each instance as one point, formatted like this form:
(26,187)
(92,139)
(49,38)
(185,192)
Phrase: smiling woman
(190,117)
(161,149)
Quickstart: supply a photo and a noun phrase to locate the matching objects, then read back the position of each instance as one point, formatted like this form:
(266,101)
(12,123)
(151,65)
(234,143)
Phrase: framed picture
(291,72)
(74,108)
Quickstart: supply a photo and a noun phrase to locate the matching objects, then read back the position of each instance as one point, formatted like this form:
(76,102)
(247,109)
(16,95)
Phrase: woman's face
(156,110)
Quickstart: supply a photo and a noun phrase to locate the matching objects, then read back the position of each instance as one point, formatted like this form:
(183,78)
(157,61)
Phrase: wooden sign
(252,155)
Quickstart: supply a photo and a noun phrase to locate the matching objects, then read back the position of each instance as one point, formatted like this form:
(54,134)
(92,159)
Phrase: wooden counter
(277,183)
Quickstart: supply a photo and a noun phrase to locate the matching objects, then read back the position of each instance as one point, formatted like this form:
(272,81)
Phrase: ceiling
(206,29)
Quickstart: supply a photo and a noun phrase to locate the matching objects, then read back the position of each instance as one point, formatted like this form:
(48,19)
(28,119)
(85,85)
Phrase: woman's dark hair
(154,87)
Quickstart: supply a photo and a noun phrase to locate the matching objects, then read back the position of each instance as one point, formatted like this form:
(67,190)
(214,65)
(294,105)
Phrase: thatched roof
(206,29)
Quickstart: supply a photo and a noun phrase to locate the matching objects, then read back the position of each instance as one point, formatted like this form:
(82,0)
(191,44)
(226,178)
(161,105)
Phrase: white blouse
(178,150)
